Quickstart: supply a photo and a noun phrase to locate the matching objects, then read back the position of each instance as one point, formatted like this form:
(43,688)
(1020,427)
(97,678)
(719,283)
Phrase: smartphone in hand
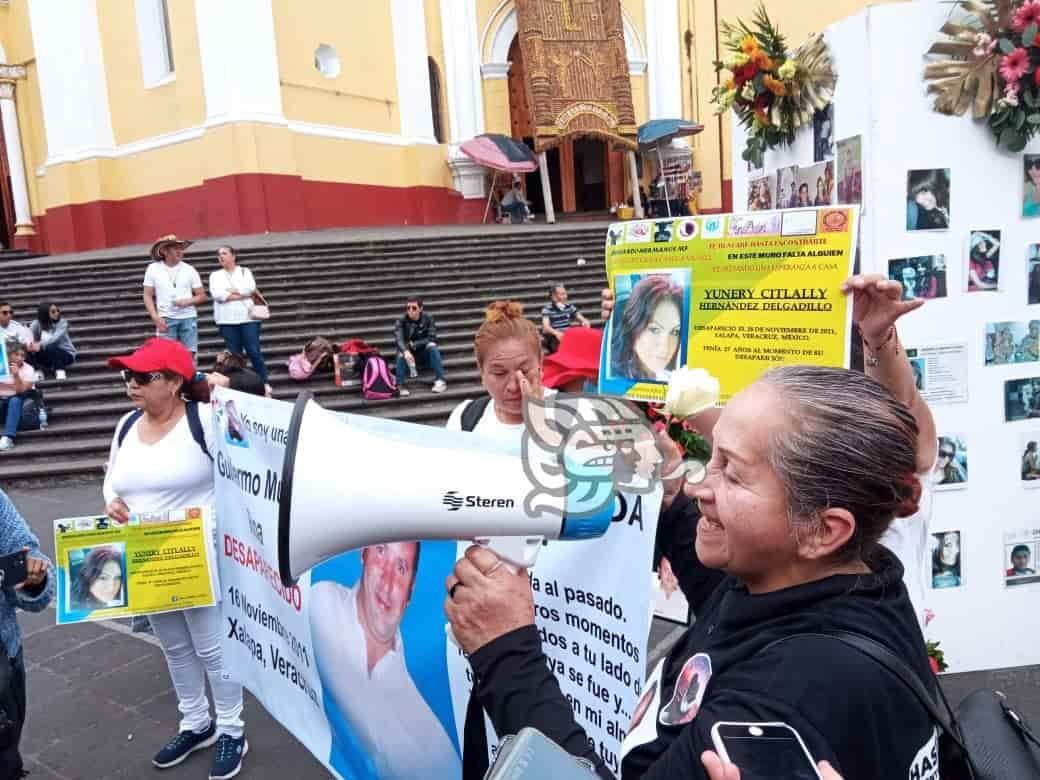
(13,568)
(763,751)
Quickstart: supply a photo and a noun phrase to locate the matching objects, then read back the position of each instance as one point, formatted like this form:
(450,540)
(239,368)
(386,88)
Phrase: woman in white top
(509,356)
(232,289)
(164,462)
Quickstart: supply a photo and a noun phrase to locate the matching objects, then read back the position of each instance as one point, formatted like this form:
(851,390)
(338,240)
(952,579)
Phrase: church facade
(126,119)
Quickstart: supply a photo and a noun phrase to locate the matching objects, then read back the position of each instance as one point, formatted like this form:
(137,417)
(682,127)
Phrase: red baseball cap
(158,354)
(577,357)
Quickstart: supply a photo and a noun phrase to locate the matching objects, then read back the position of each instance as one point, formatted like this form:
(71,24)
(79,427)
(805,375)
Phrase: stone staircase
(338,290)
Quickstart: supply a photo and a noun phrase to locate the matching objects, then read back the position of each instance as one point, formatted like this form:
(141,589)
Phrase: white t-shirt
(384,708)
(227,312)
(489,424)
(170,474)
(907,537)
(15,331)
(173,283)
(26,373)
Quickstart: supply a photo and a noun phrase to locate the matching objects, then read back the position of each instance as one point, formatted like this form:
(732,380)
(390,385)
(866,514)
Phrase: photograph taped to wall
(1033,274)
(823,133)
(928,199)
(850,170)
(921,277)
(760,194)
(1021,549)
(1029,458)
(1022,399)
(951,464)
(946,560)
(1012,342)
(815,184)
(983,261)
(940,371)
(1031,195)
(786,188)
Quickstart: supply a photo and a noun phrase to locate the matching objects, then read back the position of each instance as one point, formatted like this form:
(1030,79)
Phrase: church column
(465,96)
(15,158)
(413,71)
(664,70)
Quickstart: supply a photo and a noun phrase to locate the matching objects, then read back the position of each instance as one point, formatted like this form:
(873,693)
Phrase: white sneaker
(60,374)
(6,443)
(268,391)
(440,386)
(412,372)
(403,393)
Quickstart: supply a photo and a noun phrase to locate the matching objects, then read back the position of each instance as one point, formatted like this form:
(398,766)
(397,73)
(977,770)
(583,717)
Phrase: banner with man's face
(354,659)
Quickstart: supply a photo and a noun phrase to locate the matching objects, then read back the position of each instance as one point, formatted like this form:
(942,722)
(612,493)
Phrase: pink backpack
(377,383)
(300,367)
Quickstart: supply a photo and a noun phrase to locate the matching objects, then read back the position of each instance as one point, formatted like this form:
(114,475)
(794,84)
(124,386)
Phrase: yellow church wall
(435,49)
(364,95)
(497,117)
(144,112)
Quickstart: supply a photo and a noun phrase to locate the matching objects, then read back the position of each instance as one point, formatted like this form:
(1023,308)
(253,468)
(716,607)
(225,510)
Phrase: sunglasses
(412,307)
(7,312)
(141,378)
(1033,163)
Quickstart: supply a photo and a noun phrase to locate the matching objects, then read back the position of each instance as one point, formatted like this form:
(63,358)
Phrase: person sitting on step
(415,335)
(51,331)
(557,316)
(12,330)
(14,388)
(514,204)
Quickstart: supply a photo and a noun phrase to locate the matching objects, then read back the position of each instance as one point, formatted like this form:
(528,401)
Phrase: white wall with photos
(943,211)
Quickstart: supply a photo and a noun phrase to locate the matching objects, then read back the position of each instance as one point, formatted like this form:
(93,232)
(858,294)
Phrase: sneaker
(183,745)
(268,391)
(227,758)
(6,443)
(439,386)
(412,372)
(402,392)
(60,374)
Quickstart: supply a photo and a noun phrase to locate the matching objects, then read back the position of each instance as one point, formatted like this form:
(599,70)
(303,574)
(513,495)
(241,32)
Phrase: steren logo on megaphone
(454,502)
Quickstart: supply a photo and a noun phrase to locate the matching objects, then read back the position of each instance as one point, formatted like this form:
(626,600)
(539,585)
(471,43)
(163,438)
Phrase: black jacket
(847,708)
(414,335)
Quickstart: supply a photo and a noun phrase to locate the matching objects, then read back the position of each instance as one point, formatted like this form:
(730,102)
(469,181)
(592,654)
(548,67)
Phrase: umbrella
(659,131)
(500,153)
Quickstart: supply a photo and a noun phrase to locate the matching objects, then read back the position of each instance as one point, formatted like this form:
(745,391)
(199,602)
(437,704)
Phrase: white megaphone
(344,488)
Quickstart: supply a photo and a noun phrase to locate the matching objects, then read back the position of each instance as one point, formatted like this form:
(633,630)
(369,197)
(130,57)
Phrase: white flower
(748,93)
(690,390)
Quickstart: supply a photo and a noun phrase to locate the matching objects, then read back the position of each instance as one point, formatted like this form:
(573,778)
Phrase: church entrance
(7,220)
(585,175)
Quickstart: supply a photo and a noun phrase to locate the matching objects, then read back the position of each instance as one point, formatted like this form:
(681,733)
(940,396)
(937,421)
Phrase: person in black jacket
(810,466)
(415,335)
(793,511)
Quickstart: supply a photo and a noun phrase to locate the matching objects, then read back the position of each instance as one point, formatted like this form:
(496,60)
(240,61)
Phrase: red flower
(1015,65)
(1028,14)
(934,664)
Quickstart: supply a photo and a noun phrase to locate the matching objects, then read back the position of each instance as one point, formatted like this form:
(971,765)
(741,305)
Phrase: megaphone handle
(515,552)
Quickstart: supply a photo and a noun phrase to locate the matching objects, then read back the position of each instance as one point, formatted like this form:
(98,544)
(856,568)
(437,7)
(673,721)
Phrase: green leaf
(1006,46)
(1029,35)
(1033,119)
(999,118)
(1012,140)
(1029,97)
(1020,120)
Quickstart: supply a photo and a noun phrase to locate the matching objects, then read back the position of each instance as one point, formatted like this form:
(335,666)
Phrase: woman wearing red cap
(160,460)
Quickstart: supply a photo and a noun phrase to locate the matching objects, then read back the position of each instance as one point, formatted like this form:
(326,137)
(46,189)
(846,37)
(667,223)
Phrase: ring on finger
(451,591)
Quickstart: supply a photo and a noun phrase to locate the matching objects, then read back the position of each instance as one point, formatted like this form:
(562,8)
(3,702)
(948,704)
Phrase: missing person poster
(354,658)
(734,294)
(940,372)
(156,562)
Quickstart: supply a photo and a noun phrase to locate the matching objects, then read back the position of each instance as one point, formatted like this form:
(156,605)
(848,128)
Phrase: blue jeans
(246,338)
(50,359)
(11,411)
(185,331)
(427,356)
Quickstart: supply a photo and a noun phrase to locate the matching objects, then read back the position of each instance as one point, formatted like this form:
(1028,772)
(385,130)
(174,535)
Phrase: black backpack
(474,411)
(191,410)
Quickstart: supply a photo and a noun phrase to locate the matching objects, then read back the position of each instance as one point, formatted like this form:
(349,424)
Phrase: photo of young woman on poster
(1031,197)
(647,326)
(984,261)
(98,577)
(946,560)
(928,199)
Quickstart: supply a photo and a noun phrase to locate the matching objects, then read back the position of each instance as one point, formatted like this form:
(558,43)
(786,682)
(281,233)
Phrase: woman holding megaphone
(811,467)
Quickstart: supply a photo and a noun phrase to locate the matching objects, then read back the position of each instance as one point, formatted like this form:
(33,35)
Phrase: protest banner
(733,294)
(156,562)
(304,651)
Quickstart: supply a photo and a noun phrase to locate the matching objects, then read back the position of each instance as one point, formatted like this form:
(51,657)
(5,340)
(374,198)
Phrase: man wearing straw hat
(172,288)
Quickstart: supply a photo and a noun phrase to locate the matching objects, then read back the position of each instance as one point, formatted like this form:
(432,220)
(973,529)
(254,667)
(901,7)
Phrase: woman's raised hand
(877,302)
